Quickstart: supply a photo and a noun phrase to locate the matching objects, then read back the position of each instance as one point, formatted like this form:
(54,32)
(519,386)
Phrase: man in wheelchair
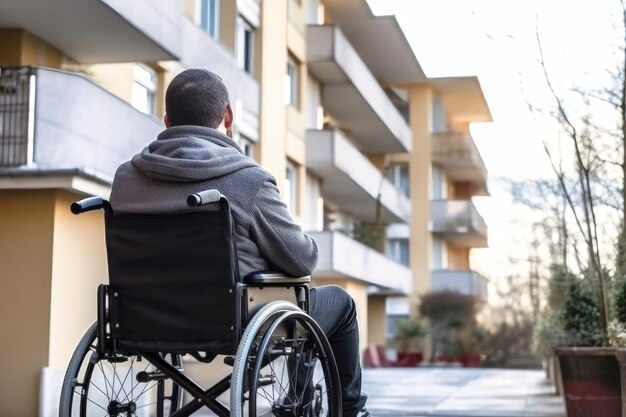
(196,153)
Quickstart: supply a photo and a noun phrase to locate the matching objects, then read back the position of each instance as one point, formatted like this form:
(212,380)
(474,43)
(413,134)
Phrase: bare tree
(585,191)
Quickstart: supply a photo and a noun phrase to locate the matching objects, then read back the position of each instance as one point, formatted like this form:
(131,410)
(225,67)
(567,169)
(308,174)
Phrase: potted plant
(471,346)
(450,313)
(408,337)
(589,370)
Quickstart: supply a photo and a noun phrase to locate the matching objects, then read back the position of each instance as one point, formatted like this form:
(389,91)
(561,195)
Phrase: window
(209,17)
(144,89)
(398,250)
(399,176)
(291,193)
(246,146)
(245,45)
(439,188)
(291,82)
(440,254)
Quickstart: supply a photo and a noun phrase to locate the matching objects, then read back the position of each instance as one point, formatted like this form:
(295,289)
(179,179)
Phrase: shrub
(620,300)
(581,317)
(408,335)
(448,312)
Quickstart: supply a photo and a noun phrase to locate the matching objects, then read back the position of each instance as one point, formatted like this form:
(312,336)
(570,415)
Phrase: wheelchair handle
(203,197)
(89,204)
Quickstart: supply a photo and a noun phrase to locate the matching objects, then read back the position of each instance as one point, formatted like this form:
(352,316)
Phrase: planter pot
(590,381)
(470,360)
(409,358)
(620,354)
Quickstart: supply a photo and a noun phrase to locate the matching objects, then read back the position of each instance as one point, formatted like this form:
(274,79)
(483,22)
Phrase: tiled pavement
(469,392)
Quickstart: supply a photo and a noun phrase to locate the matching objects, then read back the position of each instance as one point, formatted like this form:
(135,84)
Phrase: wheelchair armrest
(274,278)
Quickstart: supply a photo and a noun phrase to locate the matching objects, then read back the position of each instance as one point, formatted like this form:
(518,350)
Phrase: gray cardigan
(187,159)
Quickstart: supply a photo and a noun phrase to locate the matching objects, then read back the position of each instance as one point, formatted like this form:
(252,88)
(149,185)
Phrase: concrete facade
(315,104)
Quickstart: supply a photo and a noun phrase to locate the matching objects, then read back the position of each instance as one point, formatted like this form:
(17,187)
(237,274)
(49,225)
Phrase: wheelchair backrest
(173,281)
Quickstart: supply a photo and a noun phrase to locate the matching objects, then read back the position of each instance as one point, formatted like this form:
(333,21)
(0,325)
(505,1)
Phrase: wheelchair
(175,296)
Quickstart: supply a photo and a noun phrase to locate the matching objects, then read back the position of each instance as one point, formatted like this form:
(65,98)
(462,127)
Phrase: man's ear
(166,121)
(229,118)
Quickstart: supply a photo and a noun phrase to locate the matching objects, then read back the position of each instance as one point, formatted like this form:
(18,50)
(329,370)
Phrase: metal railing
(17,104)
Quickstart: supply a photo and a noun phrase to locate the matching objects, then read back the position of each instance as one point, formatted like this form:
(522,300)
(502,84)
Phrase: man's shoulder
(259,174)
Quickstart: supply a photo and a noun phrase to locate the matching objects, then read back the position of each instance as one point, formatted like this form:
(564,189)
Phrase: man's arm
(281,241)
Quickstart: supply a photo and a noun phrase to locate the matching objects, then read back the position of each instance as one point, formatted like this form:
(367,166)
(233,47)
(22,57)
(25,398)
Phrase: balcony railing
(458,155)
(351,181)
(463,281)
(58,120)
(341,256)
(352,95)
(17,95)
(459,222)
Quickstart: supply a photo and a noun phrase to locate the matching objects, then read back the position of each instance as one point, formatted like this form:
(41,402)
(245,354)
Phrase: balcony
(458,155)
(458,222)
(202,51)
(52,120)
(351,94)
(340,256)
(350,181)
(95,31)
(463,281)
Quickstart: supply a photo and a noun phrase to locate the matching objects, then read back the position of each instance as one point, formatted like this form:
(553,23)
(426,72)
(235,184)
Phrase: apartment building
(443,172)
(327,97)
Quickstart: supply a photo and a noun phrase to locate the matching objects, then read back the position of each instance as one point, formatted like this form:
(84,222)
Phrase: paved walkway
(469,392)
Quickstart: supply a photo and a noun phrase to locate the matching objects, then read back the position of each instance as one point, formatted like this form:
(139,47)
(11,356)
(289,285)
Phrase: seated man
(196,152)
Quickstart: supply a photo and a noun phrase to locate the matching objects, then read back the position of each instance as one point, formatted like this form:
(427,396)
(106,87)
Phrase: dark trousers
(334,310)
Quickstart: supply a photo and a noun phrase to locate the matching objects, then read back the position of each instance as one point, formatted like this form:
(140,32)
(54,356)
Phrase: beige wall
(116,78)
(27,225)
(458,257)
(20,47)
(52,262)
(377,320)
(78,267)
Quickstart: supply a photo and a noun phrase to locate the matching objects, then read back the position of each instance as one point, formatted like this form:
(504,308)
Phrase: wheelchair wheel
(124,385)
(290,370)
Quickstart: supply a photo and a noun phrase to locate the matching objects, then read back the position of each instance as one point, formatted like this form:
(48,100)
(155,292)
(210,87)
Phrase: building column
(273,50)
(421,98)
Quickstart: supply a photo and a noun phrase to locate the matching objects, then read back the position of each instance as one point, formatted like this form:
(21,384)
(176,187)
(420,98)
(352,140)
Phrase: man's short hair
(196,97)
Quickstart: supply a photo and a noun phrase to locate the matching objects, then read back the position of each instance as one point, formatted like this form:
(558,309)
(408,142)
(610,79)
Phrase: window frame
(399,250)
(245,45)
(291,187)
(208,17)
(149,88)
(292,82)
(400,177)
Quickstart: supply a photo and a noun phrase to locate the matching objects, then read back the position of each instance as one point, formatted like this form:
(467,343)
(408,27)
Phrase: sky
(497,41)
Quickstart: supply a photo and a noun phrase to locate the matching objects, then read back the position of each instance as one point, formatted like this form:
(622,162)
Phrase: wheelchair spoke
(266,395)
(107,383)
(99,389)
(98,405)
(121,389)
(145,389)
